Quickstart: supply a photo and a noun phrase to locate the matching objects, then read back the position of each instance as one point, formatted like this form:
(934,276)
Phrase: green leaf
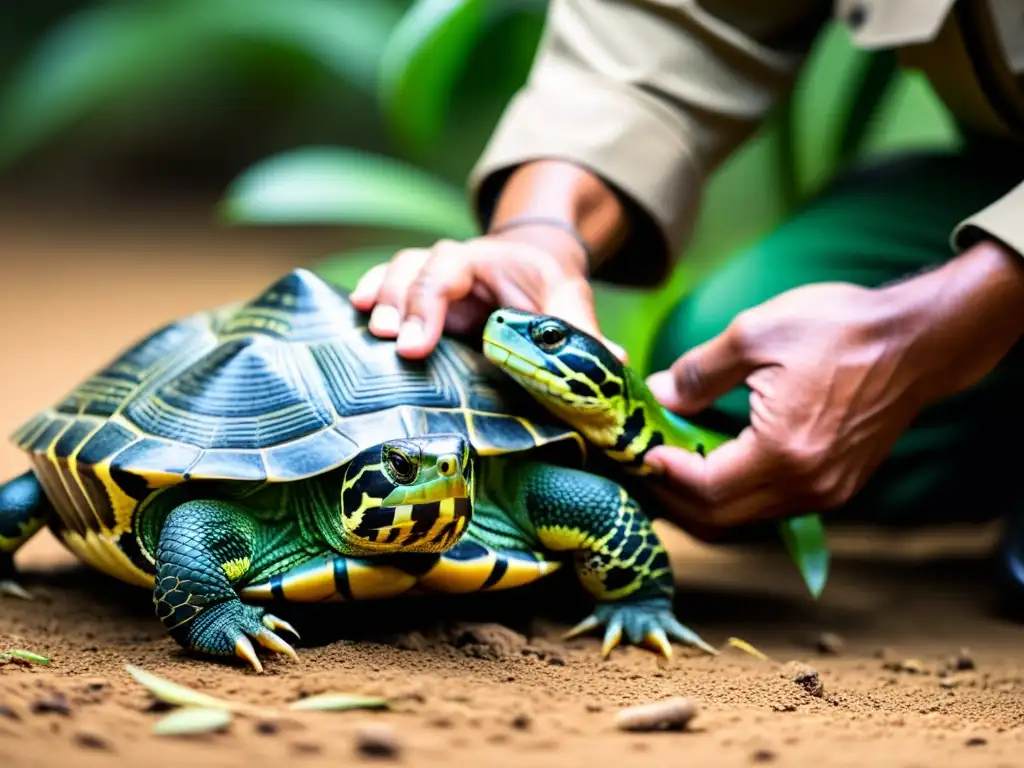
(174,693)
(338,701)
(192,720)
(421,61)
(338,186)
(125,51)
(805,540)
(17,653)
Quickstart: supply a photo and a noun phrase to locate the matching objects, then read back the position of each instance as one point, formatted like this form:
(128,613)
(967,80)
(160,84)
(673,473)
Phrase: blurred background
(158,156)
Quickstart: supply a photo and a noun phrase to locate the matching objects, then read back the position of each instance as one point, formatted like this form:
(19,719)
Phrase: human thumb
(701,376)
(573,302)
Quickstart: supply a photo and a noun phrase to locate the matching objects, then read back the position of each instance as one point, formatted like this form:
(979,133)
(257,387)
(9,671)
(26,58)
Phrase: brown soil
(475,681)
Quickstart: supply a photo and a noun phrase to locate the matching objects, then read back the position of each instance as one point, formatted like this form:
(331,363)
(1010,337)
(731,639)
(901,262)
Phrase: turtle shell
(284,387)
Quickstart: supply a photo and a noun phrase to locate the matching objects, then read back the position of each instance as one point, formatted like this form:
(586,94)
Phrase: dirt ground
(471,681)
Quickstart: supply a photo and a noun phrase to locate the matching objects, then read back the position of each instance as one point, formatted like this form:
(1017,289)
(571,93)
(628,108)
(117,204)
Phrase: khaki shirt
(652,95)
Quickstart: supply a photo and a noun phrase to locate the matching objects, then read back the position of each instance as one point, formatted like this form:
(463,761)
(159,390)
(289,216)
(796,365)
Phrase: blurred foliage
(368,115)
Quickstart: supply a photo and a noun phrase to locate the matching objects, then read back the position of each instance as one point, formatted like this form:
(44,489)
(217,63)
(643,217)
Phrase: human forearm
(557,190)
(968,313)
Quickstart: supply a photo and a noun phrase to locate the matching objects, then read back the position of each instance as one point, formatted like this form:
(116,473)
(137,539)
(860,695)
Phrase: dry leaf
(173,693)
(339,701)
(190,720)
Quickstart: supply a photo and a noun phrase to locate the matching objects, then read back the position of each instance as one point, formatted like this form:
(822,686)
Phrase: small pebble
(829,643)
(949,682)
(55,702)
(267,727)
(963,660)
(90,740)
(8,713)
(805,676)
(673,714)
(913,666)
(377,740)
(763,756)
(975,741)
(521,722)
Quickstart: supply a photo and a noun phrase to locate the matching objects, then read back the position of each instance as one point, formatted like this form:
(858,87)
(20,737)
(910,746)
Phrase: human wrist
(561,206)
(961,319)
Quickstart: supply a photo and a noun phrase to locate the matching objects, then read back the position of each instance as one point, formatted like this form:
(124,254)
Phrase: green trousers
(962,459)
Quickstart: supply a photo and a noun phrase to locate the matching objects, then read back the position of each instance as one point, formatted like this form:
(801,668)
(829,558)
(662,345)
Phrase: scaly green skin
(616,553)
(24,510)
(578,379)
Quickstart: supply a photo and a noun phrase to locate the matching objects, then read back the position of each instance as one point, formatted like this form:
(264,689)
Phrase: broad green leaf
(339,186)
(174,693)
(421,61)
(123,51)
(805,540)
(338,701)
(192,720)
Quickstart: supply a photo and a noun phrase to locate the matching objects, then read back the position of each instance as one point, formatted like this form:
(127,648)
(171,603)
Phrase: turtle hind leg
(205,548)
(24,509)
(617,554)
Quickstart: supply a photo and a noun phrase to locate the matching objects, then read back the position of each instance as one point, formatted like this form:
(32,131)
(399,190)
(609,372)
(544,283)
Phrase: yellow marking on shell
(377,581)
(103,554)
(236,569)
(459,576)
(122,504)
(73,466)
(51,456)
(522,572)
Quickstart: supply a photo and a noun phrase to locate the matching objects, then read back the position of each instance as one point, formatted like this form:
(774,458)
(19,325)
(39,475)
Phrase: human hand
(836,374)
(455,285)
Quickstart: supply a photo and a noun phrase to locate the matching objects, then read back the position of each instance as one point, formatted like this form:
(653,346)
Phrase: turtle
(274,449)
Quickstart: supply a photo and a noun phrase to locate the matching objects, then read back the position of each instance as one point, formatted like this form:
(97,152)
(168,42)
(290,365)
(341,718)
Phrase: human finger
(400,272)
(447,276)
(364,295)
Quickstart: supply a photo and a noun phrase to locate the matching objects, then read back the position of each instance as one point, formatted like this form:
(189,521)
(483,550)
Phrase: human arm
(641,98)
(836,372)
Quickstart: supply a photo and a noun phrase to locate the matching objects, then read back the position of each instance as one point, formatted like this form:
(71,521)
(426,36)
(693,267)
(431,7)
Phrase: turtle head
(569,371)
(413,494)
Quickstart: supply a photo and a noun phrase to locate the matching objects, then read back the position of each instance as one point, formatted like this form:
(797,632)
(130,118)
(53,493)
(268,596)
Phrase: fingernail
(384,319)
(411,334)
(662,386)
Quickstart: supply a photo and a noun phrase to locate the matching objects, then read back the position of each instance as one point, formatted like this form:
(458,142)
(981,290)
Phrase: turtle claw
(658,640)
(229,629)
(14,589)
(245,651)
(644,622)
(268,639)
(275,624)
(589,623)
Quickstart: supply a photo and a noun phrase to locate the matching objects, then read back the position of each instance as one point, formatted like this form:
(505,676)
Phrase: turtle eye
(549,335)
(400,467)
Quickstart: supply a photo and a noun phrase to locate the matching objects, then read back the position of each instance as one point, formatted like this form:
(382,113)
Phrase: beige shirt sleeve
(650,95)
(1002,220)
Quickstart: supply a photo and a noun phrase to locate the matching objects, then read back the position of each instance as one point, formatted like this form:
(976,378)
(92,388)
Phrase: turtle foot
(14,589)
(644,622)
(228,629)
(8,586)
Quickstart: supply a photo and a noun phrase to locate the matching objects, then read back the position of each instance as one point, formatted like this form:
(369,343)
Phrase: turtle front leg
(205,548)
(617,554)
(24,509)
